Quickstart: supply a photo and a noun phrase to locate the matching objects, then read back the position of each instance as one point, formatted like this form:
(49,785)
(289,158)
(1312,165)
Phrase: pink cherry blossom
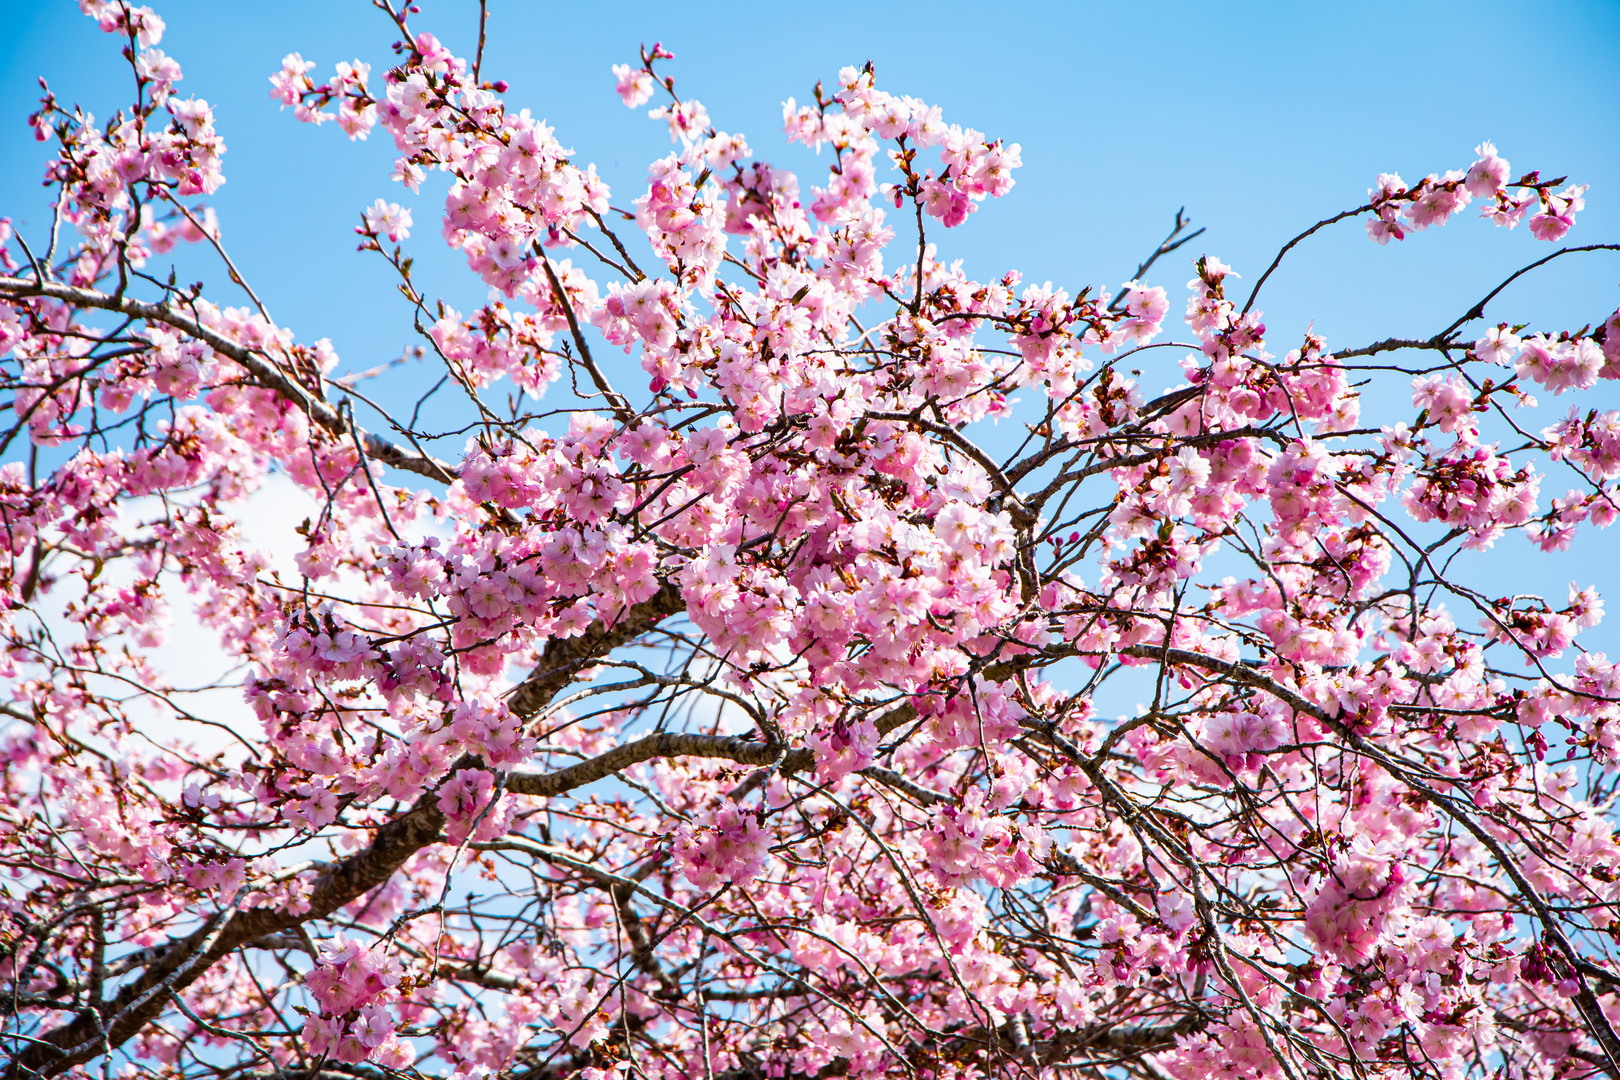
(762,646)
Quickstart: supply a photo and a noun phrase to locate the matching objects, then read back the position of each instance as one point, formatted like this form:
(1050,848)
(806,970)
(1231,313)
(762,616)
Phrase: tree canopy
(721,685)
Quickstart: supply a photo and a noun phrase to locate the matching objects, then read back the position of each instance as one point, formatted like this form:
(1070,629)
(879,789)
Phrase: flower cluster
(1399,210)
(352,985)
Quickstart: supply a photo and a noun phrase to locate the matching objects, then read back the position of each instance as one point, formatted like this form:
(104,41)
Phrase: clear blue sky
(1259,118)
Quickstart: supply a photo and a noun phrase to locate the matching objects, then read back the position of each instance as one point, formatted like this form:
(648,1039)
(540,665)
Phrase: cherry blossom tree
(725,702)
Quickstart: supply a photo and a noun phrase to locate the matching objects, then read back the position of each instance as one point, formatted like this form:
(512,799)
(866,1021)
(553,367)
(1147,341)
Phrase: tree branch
(1597,1022)
(662,744)
(1166,246)
(183,962)
(260,366)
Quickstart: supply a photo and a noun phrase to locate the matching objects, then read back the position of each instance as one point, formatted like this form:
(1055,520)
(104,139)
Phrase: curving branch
(264,370)
(564,658)
(663,744)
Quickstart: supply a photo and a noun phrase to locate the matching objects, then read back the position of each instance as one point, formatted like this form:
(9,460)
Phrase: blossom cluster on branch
(740,714)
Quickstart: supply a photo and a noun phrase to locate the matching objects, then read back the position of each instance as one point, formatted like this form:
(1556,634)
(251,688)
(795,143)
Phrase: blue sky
(1258,118)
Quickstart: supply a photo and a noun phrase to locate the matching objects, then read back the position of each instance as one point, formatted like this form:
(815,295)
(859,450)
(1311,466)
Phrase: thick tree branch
(142,1000)
(663,744)
(563,658)
(183,962)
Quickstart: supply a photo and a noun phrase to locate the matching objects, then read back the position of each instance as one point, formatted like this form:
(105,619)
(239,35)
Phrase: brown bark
(113,1022)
